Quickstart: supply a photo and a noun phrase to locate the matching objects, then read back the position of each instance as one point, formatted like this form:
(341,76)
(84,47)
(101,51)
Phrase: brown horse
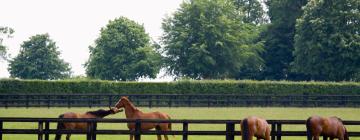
(254,126)
(79,125)
(132,112)
(328,127)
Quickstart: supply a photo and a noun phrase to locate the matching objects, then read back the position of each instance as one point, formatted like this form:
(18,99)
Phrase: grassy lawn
(185,113)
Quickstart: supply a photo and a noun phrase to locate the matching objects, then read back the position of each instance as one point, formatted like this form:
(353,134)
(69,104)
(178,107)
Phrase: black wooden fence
(43,131)
(178,100)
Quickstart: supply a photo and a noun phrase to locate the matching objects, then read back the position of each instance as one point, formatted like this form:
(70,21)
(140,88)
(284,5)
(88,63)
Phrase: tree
(5,32)
(252,10)
(123,52)
(205,39)
(39,59)
(279,38)
(327,41)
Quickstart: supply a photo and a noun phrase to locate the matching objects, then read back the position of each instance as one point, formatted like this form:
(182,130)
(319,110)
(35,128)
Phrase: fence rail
(178,100)
(43,131)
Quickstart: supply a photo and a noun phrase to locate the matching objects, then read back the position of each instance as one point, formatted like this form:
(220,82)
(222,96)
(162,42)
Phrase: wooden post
(185,130)
(40,129)
(68,101)
(245,130)
(273,131)
(89,131)
(1,127)
(110,100)
(278,131)
(230,131)
(27,101)
(137,130)
(47,127)
(94,128)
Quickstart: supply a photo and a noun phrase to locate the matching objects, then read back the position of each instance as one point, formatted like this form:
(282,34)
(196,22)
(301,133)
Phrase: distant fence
(43,131)
(178,100)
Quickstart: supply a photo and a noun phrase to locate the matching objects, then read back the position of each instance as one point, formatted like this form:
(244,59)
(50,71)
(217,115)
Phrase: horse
(131,112)
(82,125)
(327,126)
(255,126)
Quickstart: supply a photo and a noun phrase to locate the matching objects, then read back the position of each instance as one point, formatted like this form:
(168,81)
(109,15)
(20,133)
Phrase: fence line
(178,100)
(91,133)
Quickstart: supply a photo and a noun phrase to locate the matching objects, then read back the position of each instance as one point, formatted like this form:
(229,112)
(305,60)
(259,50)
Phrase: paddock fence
(44,130)
(179,100)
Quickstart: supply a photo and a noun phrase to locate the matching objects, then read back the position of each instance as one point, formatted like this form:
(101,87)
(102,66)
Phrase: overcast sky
(75,24)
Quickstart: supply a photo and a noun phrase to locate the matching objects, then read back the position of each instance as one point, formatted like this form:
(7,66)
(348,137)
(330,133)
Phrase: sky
(75,24)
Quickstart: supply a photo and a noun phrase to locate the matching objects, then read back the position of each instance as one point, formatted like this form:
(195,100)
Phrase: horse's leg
(325,137)
(316,137)
(131,135)
(157,128)
(68,136)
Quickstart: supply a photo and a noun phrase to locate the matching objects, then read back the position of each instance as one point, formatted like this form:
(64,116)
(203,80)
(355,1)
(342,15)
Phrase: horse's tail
(346,134)
(244,129)
(308,129)
(59,127)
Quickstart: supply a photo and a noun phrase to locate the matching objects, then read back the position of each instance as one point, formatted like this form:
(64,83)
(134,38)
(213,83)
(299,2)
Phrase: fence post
(68,101)
(137,129)
(40,129)
(89,131)
(27,101)
(230,131)
(305,99)
(47,126)
(185,130)
(110,100)
(1,127)
(94,128)
(245,130)
(189,100)
(278,130)
(273,131)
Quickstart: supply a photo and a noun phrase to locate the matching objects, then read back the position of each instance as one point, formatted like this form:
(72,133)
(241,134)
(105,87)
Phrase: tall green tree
(39,59)
(327,41)
(279,38)
(252,10)
(123,52)
(205,39)
(5,32)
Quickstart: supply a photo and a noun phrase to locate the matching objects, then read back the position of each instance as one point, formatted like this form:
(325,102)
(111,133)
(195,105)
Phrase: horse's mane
(131,104)
(99,113)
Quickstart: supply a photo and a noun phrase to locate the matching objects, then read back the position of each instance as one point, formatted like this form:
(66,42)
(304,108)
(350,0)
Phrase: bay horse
(327,126)
(255,126)
(82,125)
(131,112)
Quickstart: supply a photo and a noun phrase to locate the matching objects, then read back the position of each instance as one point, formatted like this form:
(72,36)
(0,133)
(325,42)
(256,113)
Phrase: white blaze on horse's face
(119,104)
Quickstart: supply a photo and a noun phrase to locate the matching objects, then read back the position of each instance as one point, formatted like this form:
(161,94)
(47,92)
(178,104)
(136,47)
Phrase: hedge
(13,86)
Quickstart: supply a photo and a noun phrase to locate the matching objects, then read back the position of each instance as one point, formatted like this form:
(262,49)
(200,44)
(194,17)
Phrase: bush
(181,87)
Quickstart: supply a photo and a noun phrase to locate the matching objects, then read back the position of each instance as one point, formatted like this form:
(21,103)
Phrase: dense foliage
(39,59)
(252,11)
(181,87)
(279,38)
(123,52)
(327,42)
(205,39)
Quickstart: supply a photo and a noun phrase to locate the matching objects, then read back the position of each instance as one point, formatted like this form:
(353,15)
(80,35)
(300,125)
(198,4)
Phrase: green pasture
(235,113)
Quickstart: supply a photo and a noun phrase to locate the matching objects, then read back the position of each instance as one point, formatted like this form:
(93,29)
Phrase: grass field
(185,113)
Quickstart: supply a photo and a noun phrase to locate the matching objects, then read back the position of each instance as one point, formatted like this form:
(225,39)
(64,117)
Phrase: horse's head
(114,110)
(121,103)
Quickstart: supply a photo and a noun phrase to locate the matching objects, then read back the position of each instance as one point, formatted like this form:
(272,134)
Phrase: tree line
(216,39)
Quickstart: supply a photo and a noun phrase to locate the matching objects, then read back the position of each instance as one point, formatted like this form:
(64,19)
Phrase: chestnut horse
(255,126)
(79,125)
(328,127)
(131,112)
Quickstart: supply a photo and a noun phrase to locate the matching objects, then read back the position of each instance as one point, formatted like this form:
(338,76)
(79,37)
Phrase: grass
(184,113)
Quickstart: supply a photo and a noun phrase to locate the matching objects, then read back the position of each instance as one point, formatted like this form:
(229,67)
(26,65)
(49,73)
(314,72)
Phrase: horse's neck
(131,110)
